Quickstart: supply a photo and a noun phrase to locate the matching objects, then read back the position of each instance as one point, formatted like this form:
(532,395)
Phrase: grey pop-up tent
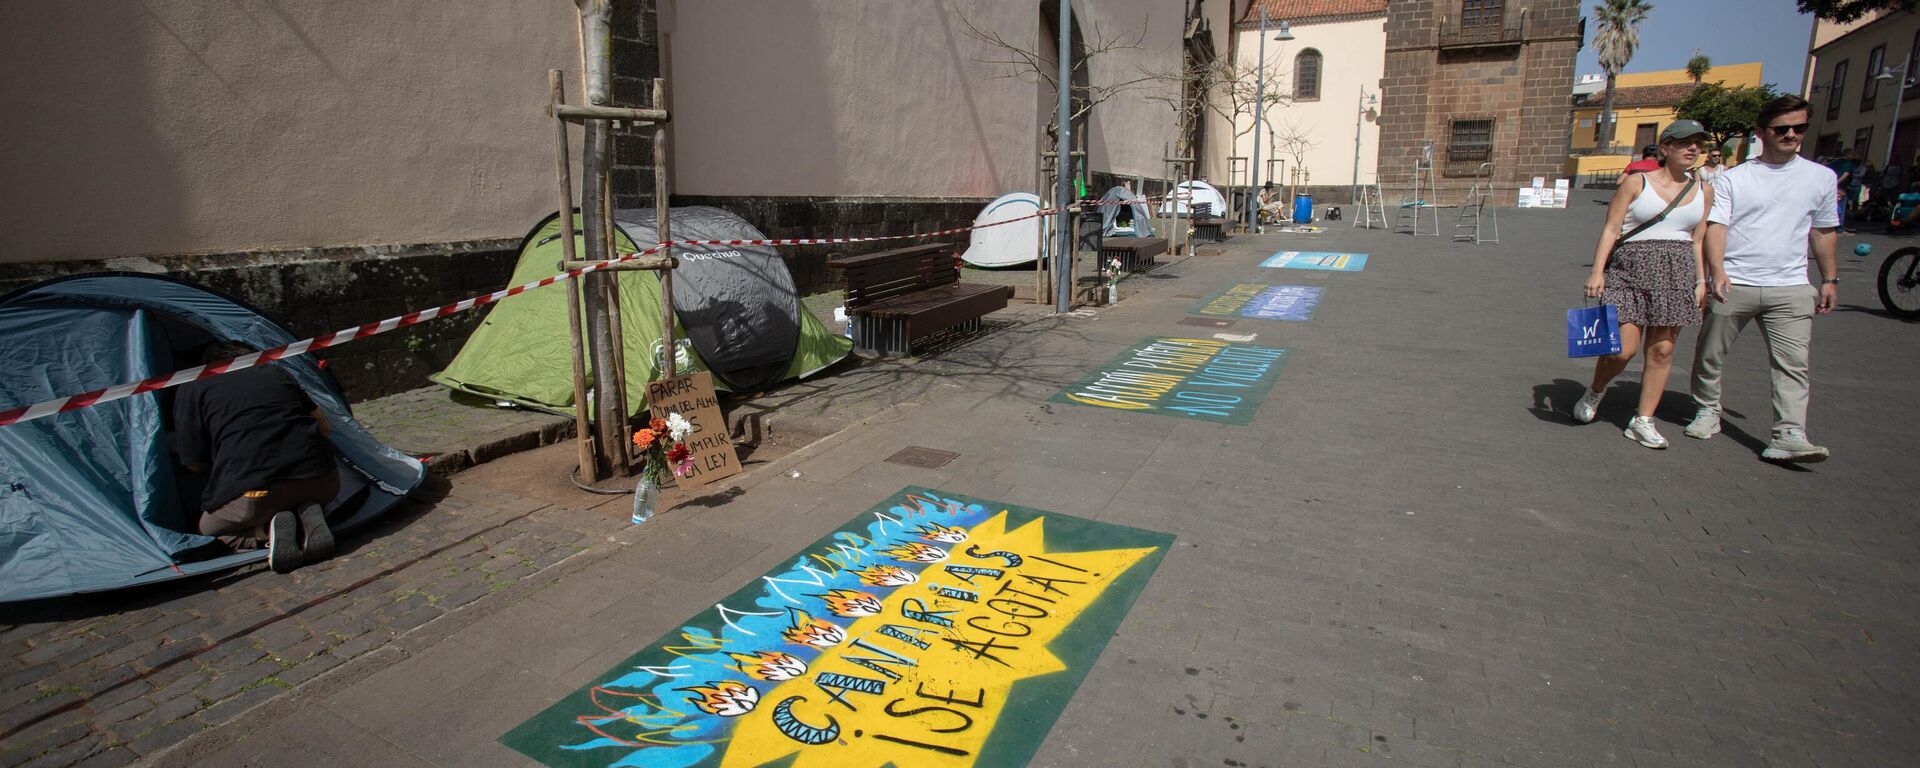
(737,305)
(1124,213)
(90,500)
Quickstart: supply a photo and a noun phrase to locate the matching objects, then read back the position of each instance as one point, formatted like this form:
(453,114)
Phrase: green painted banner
(931,630)
(1202,379)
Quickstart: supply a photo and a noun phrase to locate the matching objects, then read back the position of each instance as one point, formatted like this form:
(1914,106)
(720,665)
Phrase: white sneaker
(1588,407)
(1792,446)
(1640,429)
(1705,424)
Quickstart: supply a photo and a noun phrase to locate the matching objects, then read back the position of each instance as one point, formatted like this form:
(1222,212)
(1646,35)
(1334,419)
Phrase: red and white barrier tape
(344,335)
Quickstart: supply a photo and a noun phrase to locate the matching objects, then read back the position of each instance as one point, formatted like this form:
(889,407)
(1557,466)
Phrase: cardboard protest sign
(692,397)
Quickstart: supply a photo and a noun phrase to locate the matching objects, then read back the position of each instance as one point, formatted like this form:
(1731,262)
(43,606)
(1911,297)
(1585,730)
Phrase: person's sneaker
(1705,424)
(316,539)
(1640,429)
(1792,446)
(283,546)
(1588,407)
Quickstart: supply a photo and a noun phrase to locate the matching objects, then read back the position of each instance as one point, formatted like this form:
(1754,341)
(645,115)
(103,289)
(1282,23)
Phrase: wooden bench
(1135,253)
(1208,227)
(1211,230)
(897,297)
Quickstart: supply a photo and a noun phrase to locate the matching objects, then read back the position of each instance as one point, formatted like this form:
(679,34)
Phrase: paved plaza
(1405,553)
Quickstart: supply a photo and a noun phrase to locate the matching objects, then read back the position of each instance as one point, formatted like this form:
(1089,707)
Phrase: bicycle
(1900,283)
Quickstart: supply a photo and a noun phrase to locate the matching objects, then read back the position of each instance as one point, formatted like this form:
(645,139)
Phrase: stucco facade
(172,126)
(1852,108)
(1314,125)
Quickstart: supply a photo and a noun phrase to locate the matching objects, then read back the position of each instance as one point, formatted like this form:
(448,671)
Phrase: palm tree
(1618,35)
(1698,66)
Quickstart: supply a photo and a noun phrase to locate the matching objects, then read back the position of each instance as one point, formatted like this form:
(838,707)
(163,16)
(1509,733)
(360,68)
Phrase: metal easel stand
(1478,204)
(1373,211)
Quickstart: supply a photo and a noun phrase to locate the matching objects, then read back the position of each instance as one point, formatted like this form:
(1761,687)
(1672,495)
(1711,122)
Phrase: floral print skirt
(1651,283)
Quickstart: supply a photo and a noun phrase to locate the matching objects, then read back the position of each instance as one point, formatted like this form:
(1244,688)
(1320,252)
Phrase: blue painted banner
(1262,302)
(1322,260)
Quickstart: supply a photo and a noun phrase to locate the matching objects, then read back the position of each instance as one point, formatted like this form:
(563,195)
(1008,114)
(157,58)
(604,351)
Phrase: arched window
(1306,76)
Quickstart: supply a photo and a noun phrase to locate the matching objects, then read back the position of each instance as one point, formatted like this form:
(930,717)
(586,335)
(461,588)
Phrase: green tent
(739,317)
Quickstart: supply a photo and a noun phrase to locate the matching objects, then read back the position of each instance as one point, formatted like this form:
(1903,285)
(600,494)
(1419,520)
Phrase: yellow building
(1643,103)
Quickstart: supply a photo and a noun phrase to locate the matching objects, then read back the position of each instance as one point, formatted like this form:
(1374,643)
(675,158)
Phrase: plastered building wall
(1352,58)
(174,126)
(818,98)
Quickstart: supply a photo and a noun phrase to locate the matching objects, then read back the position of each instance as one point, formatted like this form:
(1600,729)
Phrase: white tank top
(1678,225)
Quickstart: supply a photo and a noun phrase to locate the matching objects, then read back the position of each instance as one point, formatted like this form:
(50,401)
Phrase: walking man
(1766,215)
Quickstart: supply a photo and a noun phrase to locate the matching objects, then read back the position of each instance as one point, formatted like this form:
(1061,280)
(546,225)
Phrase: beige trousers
(1785,314)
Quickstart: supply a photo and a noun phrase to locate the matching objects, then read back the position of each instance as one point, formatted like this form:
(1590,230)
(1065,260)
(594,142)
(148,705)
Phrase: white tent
(1008,244)
(1196,193)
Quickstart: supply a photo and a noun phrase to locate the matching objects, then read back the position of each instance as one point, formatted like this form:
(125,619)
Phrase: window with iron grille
(1470,141)
(1870,89)
(1835,88)
(1306,76)
(1862,141)
(1482,14)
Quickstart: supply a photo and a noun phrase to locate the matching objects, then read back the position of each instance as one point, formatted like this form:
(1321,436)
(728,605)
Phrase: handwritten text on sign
(932,631)
(692,397)
(1195,378)
(1321,260)
(1264,302)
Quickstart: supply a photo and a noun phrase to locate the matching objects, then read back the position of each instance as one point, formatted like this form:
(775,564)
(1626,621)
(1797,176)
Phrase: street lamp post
(1359,120)
(1259,105)
(1887,73)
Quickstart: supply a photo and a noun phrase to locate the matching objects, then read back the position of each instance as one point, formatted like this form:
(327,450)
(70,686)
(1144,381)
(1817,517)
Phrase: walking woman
(1648,265)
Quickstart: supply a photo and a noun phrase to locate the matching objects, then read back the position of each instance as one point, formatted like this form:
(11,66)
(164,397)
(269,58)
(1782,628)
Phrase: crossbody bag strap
(1684,190)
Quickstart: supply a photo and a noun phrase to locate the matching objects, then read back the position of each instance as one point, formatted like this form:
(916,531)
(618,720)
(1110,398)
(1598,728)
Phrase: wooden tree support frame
(611,447)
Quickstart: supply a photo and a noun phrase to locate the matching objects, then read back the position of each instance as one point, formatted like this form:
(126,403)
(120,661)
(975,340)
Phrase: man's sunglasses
(1782,130)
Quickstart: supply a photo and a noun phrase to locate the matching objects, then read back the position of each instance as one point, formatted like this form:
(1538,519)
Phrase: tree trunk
(1606,117)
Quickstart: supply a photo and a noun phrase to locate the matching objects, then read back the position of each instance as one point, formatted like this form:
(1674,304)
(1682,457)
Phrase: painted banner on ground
(1203,379)
(1336,262)
(931,630)
(1263,302)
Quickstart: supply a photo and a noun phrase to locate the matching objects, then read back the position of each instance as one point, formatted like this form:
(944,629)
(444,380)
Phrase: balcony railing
(1482,32)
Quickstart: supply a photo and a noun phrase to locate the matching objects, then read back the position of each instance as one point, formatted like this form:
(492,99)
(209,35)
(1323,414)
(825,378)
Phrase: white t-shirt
(1768,210)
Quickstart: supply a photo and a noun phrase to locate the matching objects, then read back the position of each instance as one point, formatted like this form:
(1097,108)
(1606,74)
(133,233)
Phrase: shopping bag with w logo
(1593,331)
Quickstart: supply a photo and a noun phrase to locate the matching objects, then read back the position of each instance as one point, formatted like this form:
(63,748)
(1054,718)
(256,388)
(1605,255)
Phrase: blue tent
(89,499)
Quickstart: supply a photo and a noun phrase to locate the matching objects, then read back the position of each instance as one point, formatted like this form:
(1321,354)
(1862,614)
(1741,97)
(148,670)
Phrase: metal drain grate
(1206,322)
(924,458)
(1188,296)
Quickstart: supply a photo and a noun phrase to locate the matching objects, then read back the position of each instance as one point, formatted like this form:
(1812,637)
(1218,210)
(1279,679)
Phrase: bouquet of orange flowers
(662,446)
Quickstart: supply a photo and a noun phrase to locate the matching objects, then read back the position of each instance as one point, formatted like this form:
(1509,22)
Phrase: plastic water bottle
(645,493)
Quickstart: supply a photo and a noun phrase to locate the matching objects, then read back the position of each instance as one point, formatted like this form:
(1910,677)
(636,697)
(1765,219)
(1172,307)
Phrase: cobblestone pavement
(104,680)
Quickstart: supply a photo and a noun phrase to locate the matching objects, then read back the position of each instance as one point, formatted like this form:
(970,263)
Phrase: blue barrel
(1302,209)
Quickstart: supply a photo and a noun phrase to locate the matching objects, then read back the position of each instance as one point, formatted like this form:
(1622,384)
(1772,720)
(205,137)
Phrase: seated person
(271,470)
(1272,207)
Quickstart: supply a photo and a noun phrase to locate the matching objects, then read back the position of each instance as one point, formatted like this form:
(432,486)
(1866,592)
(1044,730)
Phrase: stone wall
(1524,87)
(320,290)
(796,217)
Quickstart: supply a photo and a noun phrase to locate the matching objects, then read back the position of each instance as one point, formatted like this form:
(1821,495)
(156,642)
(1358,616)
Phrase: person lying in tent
(270,469)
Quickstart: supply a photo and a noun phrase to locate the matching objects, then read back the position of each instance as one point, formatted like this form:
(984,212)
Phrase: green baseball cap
(1682,129)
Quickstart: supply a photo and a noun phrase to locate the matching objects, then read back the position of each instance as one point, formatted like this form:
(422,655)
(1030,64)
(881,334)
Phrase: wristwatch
(1830,281)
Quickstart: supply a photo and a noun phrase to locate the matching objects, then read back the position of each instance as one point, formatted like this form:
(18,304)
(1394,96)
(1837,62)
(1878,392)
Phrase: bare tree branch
(1028,65)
